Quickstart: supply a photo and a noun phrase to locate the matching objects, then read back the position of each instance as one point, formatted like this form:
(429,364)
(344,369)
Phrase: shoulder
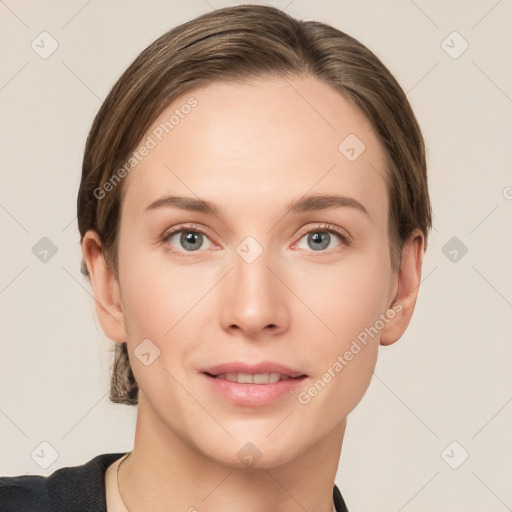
(76,488)
(339,502)
(27,493)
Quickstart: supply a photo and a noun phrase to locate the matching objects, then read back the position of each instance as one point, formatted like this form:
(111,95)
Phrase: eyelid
(184,227)
(323,226)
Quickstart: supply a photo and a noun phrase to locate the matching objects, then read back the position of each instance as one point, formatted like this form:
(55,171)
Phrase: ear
(105,288)
(408,282)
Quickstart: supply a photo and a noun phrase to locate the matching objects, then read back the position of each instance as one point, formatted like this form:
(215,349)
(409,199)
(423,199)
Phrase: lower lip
(253,395)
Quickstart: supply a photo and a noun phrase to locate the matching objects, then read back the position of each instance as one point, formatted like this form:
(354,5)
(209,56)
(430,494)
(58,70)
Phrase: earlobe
(409,277)
(105,288)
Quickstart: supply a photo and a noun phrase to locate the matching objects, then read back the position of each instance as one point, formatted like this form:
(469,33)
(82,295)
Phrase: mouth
(257,378)
(253,385)
(265,372)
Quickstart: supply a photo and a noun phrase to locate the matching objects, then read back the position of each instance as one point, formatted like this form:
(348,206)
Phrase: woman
(253,213)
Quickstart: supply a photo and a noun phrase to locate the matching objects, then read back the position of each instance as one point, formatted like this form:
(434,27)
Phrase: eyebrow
(304,204)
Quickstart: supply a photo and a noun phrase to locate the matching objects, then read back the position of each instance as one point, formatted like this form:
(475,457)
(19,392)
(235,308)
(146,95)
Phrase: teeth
(243,378)
(247,378)
(265,378)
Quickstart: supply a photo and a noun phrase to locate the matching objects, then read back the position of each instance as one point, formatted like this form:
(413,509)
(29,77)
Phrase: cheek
(349,304)
(166,303)
(155,296)
(344,361)
(343,299)
(161,305)
(334,393)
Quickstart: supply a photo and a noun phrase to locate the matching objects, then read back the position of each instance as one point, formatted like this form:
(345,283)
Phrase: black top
(72,489)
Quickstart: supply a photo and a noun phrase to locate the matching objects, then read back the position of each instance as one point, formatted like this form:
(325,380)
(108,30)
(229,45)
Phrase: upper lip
(253,369)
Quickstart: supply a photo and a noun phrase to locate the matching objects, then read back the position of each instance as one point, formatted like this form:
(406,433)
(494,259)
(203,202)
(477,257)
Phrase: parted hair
(238,44)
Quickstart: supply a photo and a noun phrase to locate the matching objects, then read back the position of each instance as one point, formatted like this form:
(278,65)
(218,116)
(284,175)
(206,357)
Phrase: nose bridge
(252,275)
(255,299)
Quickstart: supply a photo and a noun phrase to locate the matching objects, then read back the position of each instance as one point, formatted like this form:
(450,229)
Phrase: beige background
(447,380)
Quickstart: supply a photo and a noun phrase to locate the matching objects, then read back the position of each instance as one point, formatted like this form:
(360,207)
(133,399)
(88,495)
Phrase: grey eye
(318,240)
(188,240)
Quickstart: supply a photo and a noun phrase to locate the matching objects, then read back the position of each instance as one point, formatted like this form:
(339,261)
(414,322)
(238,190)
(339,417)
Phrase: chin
(253,452)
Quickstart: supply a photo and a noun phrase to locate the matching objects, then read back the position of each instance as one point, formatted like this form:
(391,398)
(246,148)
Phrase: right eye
(185,239)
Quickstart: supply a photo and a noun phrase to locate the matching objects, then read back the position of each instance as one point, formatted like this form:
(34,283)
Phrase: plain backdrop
(433,431)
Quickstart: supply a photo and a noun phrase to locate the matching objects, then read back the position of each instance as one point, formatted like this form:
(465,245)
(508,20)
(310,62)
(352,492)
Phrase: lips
(253,385)
(247,378)
(260,373)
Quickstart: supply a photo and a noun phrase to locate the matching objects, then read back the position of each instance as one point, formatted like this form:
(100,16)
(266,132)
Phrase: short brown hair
(235,44)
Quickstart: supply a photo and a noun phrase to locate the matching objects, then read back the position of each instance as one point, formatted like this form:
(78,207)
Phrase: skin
(250,149)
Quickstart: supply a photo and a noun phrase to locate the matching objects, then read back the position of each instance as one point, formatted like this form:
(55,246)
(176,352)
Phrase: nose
(254,299)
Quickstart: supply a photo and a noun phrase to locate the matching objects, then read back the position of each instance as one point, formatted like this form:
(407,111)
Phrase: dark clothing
(72,489)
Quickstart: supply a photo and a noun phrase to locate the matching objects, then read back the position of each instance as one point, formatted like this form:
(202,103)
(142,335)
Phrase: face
(258,285)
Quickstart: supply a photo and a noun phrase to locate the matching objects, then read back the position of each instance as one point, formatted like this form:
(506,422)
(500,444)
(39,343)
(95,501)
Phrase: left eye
(320,238)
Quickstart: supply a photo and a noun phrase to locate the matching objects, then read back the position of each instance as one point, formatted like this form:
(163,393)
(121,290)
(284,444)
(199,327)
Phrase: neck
(163,469)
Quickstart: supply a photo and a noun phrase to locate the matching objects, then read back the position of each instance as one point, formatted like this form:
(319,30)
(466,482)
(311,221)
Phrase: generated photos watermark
(151,142)
(341,361)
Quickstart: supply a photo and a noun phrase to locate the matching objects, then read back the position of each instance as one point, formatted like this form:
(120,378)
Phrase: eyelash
(322,228)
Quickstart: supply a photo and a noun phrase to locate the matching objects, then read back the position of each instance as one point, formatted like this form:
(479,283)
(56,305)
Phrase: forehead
(266,142)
